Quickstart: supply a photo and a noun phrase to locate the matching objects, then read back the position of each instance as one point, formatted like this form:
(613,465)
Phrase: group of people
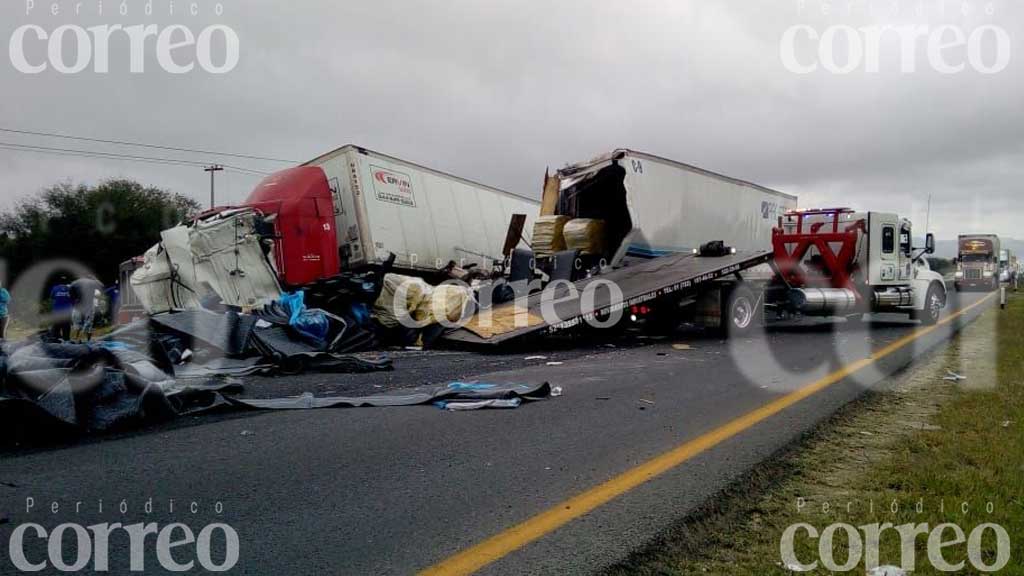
(75,307)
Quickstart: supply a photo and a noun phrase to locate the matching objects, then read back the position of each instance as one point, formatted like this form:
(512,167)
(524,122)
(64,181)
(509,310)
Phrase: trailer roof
(365,151)
(620,153)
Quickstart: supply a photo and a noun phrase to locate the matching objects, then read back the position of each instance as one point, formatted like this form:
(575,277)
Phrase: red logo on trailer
(392,179)
(393,187)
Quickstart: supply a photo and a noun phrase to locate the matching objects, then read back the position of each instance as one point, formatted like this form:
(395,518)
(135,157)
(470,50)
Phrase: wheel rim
(742,313)
(935,307)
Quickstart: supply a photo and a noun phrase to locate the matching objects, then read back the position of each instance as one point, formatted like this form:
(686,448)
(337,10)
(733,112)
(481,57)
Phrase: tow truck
(831,262)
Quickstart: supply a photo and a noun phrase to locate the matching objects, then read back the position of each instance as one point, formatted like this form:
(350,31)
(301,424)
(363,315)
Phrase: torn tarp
(230,332)
(454,392)
(90,388)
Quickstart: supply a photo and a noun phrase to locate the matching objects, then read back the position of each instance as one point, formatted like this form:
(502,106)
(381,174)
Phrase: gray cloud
(496,91)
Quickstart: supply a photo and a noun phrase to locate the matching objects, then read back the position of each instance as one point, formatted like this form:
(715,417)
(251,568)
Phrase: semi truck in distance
(977,262)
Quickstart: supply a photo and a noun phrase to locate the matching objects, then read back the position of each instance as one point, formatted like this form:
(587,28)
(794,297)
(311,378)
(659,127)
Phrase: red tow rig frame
(791,248)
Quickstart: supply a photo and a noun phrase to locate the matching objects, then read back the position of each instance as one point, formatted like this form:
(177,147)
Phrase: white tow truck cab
(838,262)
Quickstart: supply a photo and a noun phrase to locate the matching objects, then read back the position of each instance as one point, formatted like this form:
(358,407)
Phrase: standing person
(83,314)
(5,314)
(60,297)
(113,295)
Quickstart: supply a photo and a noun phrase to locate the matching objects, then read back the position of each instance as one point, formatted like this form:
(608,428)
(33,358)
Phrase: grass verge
(925,450)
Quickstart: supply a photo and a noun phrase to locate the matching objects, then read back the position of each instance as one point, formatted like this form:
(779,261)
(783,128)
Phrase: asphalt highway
(644,433)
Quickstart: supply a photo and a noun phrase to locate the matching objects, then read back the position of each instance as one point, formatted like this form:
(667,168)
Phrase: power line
(116,156)
(142,145)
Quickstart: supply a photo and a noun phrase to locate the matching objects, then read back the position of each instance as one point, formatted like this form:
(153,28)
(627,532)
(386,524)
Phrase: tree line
(96,226)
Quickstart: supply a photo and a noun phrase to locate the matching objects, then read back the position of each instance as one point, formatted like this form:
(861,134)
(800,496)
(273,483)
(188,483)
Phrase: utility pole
(928,218)
(213,170)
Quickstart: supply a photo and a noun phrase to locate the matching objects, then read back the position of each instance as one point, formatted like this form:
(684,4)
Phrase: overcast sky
(497,90)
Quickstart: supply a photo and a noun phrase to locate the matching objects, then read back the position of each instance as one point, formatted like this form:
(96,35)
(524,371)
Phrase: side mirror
(929,243)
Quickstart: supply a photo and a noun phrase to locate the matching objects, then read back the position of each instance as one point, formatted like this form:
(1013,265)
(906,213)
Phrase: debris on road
(169,365)
(887,571)
(453,392)
(953,376)
(681,347)
(478,405)
(556,391)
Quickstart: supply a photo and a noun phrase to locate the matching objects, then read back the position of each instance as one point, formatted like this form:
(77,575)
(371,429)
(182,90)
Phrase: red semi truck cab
(300,202)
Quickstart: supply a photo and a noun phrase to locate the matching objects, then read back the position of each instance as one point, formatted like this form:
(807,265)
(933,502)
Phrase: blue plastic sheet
(312,325)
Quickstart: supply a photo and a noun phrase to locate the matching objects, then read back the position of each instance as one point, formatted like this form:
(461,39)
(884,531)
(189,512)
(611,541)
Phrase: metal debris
(953,376)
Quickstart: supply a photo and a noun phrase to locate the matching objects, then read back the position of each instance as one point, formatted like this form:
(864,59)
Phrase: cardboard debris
(503,319)
(548,235)
(586,235)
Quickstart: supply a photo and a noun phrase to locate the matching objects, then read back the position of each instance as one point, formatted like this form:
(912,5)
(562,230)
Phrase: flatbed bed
(675,275)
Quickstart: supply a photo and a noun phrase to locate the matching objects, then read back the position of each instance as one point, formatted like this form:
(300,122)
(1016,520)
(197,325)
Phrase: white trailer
(661,206)
(656,214)
(358,207)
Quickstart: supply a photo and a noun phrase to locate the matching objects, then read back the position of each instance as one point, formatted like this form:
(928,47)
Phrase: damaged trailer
(639,221)
(332,227)
(353,208)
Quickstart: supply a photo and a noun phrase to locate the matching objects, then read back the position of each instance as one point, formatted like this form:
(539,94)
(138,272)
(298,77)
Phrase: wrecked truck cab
(301,207)
(224,250)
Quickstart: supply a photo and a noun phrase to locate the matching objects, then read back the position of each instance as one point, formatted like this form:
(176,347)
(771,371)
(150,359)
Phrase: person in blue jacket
(5,312)
(60,297)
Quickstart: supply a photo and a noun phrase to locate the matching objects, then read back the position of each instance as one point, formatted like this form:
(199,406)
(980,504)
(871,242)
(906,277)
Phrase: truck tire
(743,313)
(933,305)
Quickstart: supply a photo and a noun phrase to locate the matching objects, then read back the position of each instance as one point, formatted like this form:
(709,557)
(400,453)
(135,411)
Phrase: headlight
(987,273)
(959,273)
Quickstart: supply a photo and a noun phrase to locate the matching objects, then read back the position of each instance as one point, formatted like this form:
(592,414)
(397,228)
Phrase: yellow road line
(493,549)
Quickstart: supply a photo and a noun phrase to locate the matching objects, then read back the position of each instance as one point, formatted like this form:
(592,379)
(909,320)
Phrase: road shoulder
(927,441)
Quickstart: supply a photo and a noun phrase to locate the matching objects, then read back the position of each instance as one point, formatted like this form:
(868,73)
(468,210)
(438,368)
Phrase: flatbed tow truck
(645,286)
(833,262)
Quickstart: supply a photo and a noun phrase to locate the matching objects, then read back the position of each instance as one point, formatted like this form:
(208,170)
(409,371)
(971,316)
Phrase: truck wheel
(933,305)
(743,313)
